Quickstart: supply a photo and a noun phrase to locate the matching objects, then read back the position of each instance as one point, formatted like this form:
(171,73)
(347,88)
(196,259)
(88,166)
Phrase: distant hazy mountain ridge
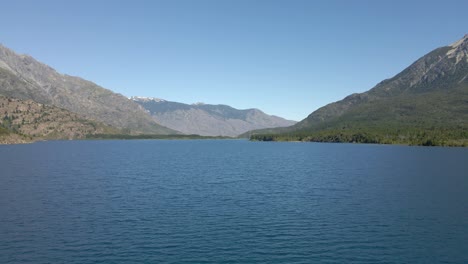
(21,76)
(208,120)
(427,103)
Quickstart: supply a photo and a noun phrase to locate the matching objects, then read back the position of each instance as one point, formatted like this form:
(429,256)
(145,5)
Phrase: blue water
(232,201)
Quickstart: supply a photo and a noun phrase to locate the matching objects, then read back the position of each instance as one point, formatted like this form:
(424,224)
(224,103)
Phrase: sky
(287,58)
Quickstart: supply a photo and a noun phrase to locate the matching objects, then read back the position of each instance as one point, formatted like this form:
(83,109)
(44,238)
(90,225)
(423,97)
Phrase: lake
(232,201)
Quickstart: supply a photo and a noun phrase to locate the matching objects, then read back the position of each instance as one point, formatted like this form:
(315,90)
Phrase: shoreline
(185,137)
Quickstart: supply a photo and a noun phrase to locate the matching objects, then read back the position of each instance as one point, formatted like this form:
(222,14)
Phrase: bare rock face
(22,77)
(208,120)
(459,50)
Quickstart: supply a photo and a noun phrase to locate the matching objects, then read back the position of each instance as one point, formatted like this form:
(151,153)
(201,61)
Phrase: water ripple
(232,202)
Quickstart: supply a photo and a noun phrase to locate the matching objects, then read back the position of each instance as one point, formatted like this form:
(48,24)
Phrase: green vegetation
(435,119)
(4,131)
(409,136)
(424,105)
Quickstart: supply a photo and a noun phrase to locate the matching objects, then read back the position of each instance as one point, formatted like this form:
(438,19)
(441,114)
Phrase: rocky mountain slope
(425,104)
(22,77)
(24,121)
(208,120)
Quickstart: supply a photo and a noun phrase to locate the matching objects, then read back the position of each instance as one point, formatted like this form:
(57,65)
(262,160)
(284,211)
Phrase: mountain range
(207,119)
(23,77)
(425,104)
(26,83)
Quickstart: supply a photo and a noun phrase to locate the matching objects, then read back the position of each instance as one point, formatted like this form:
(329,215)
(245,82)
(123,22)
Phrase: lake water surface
(232,201)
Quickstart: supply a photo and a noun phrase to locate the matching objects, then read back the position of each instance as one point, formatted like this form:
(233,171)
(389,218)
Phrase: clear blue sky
(286,58)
